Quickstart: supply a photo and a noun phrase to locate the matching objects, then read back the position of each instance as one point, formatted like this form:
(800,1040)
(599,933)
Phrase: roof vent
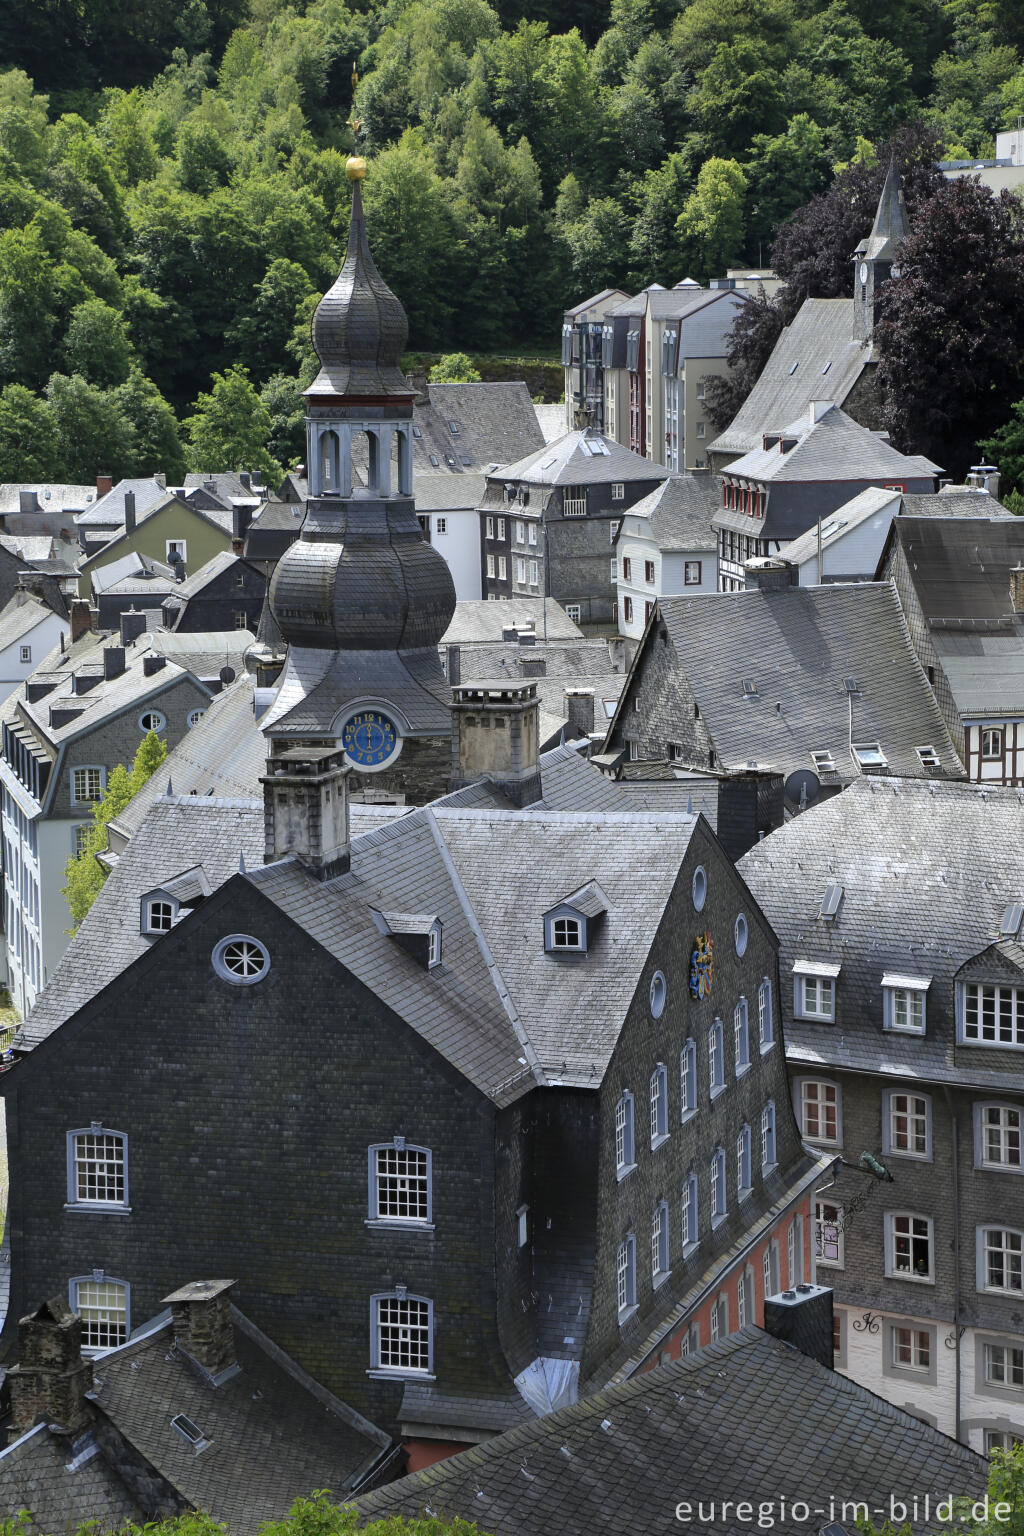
(851,685)
(749,687)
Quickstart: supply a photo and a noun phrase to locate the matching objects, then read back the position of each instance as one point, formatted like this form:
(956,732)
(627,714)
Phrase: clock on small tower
(371,739)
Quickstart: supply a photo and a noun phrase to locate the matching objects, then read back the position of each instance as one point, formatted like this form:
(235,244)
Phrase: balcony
(574,506)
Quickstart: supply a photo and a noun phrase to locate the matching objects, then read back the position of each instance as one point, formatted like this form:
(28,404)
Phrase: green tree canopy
(229,428)
(454,368)
(97,344)
(710,225)
(26,435)
(84,875)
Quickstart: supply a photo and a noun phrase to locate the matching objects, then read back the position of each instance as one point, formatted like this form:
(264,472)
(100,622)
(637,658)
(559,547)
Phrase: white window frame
(1012,1263)
(499,527)
(689,1229)
(531,533)
(765,1019)
(694,567)
(224,971)
(613,530)
(974,1033)
(559,928)
(1007,1134)
(791,1276)
(194,717)
(744,1171)
(625,1277)
(534,573)
(154,715)
(87,798)
(520,528)
(158,914)
(814,996)
(424,1323)
(573,611)
(916,1337)
(903,1236)
(659,1106)
(78,1163)
(625,1135)
(181,545)
(769,1143)
(741,1037)
(502,568)
(688,1080)
(404,1181)
(522,1226)
(25,653)
(716,1058)
(807,1100)
(916,1109)
(491,570)
(92,1347)
(1002,1361)
(902,998)
(521,571)
(660,1264)
(828,1214)
(618,490)
(489,528)
(719,1191)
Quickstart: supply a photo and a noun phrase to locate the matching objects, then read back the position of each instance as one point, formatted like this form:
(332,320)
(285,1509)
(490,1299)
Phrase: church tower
(873,258)
(360,598)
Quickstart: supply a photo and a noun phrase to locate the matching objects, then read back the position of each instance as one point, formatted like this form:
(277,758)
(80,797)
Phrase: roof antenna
(241,863)
(170,787)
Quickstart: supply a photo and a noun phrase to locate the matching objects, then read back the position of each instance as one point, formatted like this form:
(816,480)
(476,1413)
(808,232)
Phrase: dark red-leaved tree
(950,328)
(754,333)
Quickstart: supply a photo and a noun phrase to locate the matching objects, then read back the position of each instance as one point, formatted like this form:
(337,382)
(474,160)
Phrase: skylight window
(793,369)
(191,1431)
(831,901)
(869,754)
(851,685)
(929,757)
(435,461)
(454,428)
(823,761)
(829,528)
(827,366)
(1009,923)
(749,687)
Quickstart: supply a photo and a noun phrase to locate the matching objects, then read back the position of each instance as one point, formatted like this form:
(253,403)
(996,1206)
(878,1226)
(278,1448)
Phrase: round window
(700,887)
(740,934)
(659,994)
(241,959)
(152,720)
(195,717)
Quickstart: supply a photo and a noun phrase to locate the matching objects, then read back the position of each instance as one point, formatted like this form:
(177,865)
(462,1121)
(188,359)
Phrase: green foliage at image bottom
(315,1516)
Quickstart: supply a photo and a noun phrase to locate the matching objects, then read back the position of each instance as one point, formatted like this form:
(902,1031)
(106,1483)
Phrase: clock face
(370,739)
(863,271)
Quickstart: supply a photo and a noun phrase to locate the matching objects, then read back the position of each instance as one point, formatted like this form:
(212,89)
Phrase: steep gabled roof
(815,358)
(831,447)
(960,567)
(601,1465)
(678,513)
(569,461)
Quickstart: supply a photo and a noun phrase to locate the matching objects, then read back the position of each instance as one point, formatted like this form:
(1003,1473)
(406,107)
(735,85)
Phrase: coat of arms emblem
(702,966)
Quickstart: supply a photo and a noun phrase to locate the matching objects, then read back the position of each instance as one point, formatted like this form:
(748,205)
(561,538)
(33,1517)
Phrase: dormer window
(418,933)
(566,933)
(572,924)
(434,946)
(157,915)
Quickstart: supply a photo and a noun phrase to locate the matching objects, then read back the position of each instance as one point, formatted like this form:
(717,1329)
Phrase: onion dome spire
(359,327)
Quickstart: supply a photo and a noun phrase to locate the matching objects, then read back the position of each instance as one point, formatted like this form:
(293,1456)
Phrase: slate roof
(815,358)
(274,1432)
(985,672)
(448,493)
(108,511)
(595,298)
(30,547)
(954,501)
(551,419)
(498,1007)
(204,653)
(927,871)
(746,1418)
(21,615)
(565,462)
(476,622)
(201,578)
(496,422)
(38,1473)
(678,513)
(960,567)
(835,447)
(890,223)
(51,496)
(798,647)
(317,685)
(226,486)
(846,519)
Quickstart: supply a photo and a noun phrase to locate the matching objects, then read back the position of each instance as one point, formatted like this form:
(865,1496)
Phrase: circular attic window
(700,887)
(152,720)
(241,959)
(740,934)
(659,994)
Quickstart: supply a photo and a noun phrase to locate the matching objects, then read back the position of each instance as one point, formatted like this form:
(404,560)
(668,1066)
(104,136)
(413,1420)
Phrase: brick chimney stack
(81,619)
(51,1379)
(1017,588)
(104,483)
(580,712)
(201,1318)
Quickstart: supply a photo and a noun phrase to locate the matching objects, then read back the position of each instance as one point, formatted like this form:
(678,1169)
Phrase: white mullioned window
(719,1319)
(659,1105)
(688,1214)
(102,1305)
(769,1153)
(624,1153)
(688,1080)
(743,1177)
(1004,1365)
(903,1008)
(402,1333)
(993,1015)
(716,1057)
(909,1246)
(87,785)
(765,1023)
(159,916)
(816,997)
(828,1233)
(791,1274)
(819,1111)
(911,1348)
(98,1168)
(718,1186)
(1002,1253)
(908,1124)
(400,1183)
(659,1242)
(1000,1138)
(625,1275)
(741,1032)
(521,572)
(566,933)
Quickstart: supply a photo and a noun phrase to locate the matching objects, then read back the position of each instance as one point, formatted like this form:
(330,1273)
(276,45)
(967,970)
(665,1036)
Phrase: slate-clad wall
(422,772)
(897,570)
(215,607)
(580,549)
(249,1111)
(794,508)
(667,705)
(628,1206)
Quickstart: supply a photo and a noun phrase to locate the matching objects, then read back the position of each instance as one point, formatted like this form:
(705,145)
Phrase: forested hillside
(173,190)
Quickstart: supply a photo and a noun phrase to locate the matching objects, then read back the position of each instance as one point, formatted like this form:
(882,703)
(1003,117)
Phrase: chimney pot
(104,483)
(201,1318)
(81,619)
(129,511)
(132,626)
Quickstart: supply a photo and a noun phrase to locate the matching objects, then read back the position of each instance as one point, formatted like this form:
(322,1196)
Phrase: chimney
(161,479)
(28,501)
(113,661)
(104,484)
(201,1319)
(129,511)
(81,619)
(51,1379)
(132,626)
(241,517)
(257,478)
(510,634)
(495,735)
(153,664)
(802,1317)
(818,409)
(454,665)
(990,479)
(580,711)
(305,808)
(244,479)
(1017,588)
(768,573)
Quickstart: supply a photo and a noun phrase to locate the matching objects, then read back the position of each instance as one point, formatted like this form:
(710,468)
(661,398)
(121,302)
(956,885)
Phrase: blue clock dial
(370,739)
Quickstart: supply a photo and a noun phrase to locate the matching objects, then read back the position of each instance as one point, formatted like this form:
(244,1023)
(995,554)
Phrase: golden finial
(355,165)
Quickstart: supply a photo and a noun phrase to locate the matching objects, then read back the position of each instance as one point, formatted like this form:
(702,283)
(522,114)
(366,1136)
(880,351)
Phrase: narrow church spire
(890,224)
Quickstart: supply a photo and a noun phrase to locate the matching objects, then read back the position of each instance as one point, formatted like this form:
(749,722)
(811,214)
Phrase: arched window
(765,1024)
(401,1333)
(98,1168)
(625,1276)
(659,1243)
(741,1030)
(400,1183)
(102,1304)
(716,1058)
(718,1195)
(330,463)
(688,1080)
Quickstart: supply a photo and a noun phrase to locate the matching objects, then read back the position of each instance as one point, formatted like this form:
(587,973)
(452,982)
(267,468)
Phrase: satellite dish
(802,788)
(227,675)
